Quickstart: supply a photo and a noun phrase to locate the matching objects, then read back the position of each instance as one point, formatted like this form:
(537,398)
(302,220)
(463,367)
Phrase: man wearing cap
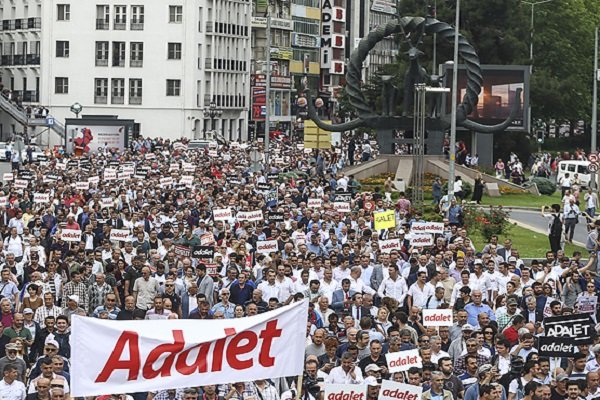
(225,306)
(372,388)
(505,318)
(559,390)
(12,359)
(437,390)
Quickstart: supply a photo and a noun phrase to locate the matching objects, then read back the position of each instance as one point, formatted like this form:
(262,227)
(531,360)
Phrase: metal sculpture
(412,26)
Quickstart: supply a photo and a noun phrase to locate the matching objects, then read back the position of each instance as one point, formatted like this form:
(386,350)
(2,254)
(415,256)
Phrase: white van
(573,167)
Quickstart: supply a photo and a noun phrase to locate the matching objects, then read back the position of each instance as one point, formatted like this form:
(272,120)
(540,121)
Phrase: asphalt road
(4,167)
(534,219)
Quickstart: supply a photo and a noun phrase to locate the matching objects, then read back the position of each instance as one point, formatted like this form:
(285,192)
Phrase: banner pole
(299,386)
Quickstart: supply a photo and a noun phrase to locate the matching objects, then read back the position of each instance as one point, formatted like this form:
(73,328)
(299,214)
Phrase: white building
(157,62)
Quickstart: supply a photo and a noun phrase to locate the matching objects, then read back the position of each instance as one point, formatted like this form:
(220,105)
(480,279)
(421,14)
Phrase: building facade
(159,63)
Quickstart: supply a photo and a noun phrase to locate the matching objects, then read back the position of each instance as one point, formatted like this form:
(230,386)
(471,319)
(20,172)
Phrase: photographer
(347,373)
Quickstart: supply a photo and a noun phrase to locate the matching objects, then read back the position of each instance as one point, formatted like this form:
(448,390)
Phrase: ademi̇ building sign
(330,39)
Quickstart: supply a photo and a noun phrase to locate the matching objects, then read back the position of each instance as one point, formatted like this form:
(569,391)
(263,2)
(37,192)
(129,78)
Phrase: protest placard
(222,214)
(403,360)
(433,228)
(314,203)
(70,235)
(338,391)
(203,252)
(421,240)
(391,390)
(437,317)
(21,183)
(41,198)
(251,216)
(266,246)
(120,235)
(385,219)
(341,207)
(386,246)
(564,333)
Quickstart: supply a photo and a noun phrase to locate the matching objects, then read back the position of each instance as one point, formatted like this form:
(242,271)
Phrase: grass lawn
(523,200)
(530,244)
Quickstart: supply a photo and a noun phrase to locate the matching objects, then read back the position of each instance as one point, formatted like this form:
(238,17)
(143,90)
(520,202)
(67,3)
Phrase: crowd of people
(364,302)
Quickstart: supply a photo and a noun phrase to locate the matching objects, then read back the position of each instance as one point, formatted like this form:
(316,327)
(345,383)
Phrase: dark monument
(413,29)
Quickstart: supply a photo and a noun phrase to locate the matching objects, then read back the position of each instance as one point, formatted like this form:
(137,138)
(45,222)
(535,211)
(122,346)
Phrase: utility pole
(595,107)
(452,163)
(268,91)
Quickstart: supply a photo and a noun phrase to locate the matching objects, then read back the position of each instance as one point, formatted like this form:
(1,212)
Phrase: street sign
(50,121)
(593,158)
(593,167)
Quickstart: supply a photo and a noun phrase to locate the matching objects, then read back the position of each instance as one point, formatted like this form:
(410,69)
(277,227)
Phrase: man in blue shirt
(477,307)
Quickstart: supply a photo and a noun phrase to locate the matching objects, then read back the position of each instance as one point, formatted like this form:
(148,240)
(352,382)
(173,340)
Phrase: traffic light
(539,135)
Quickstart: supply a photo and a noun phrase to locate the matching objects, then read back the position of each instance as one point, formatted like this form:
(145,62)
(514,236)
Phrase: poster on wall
(84,139)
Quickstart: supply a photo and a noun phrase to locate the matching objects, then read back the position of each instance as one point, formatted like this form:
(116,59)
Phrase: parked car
(37,151)
(5,150)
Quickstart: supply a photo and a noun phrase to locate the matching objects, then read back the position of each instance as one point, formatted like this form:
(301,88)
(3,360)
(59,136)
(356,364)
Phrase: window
(174,52)
(120,17)
(118,54)
(135,91)
(173,87)
(62,48)
(137,18)
(100,90)
(102,17)
(175,14)
(63,12)
(61,85)
(118,91)
(137,54)
(101,54)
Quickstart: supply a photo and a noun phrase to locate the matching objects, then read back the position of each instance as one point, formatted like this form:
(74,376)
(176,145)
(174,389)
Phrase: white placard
(266,246)
(3,201)
(7,176)
(386,246)
(82,185)
(173,167)
(21,183)
(110,174)
(391,390)
(222,214)
(168,181)
(252,216)
(403,360)
(437,317)
(120,235)
(41,198)
(106,202)
(94,180)
(314,203)
(341,206)
(187,180)
(188,167)
(71,235)
(421,240)
(427,227)
(338,391)
(213,153)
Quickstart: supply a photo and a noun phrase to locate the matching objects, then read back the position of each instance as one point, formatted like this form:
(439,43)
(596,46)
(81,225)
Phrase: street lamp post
(76,108)
(533,4)
(594,146)
(212,112)
(452,162)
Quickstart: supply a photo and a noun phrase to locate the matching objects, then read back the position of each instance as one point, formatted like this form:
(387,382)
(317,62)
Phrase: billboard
(259,103)
(500,83)
(91,138)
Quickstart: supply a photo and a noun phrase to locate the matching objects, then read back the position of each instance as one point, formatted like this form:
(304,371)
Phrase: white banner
(391,390)
(94,180)
(341,206)
(427,227)
(110,174)
(222,214)
(169,354)
(168,181)
(337,391)
(437,317)
(421,240)
(252,216)
(7,176)
(314,203)
(266,246)
(41,198)
(120,235)
(3,201)
(71,235)
(82,185)
(403,360)
(386,246)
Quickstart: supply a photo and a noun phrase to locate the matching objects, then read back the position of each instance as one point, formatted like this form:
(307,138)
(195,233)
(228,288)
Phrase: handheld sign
(222,214)
(564,333)
(391,390)
(71,235)
(403,360)
(314,203)
(203,252)
(341,207)
(41,198)
(386,246)
(336,391)
(251,216)
(437,317)
(120,235)
(266,246)
(385,219)
(421,240)
(427,227)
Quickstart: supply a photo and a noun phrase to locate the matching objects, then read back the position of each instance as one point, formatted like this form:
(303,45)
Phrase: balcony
(7,59)
(100,99)
(19,59)
(209,26)
(19,24)
(136,63)
(118,62)
(34,23)
(8,25)
(31,96)
(102,25)
(117,100)
(32,59)
(208,63)
(120,25)
(101,62)
(137,25)
(135,100)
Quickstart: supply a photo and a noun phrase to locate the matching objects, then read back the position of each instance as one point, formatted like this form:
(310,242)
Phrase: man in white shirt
(268,288)
(10,387)
(347,373)
(419,292)
(393,286)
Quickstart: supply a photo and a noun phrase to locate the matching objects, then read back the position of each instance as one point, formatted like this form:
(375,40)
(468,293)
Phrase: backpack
(556,227)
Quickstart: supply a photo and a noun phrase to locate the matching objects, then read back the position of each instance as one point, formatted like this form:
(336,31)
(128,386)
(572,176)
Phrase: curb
(540,231)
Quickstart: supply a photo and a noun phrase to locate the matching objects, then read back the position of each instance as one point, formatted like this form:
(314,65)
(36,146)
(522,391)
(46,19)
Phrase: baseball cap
(562,377)
(511,301)
(484,369)
(11,346)
(28,311)
(52,342)
(372,367)
(371,381)
(478,262)
(75,298)
(512,259)
(467,327)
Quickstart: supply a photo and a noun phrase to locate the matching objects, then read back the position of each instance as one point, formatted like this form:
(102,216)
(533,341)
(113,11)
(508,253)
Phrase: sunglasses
(50,349)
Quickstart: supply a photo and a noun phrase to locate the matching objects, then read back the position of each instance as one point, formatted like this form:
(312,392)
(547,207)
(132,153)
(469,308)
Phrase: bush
(545,186)
(488,223)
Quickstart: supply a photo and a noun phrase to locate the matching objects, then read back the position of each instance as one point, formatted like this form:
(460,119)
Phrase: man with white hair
(224,306)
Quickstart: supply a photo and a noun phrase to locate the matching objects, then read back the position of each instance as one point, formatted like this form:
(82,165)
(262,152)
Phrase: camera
(312,385)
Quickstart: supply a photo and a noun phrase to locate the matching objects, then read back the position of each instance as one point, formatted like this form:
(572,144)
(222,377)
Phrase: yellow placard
(385,219)
(315,137)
